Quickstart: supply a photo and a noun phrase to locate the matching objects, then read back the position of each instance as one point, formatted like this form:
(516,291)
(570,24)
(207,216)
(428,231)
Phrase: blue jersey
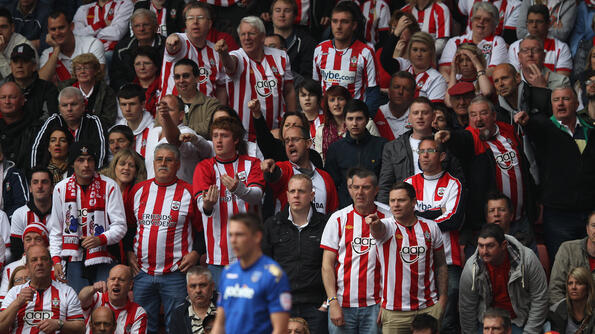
(248,296)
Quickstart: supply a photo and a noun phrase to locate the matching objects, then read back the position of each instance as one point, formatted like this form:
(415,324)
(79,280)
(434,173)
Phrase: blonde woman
(127,168)
(574,314)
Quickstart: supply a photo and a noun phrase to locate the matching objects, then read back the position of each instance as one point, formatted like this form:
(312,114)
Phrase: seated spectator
(557,53)
(470,65)
(114,294)
(100,99)
(358,148)
(105,20)
(533,71)
(127,168)
(193,148)
(496,320)
(120,137)
(432,17)
(298,325)
(302,224)
(574,314)
(563,142)
(460,96)
(562,18)
(484,21)
(55,63)
(424,324)
(572,254)
(277,41)
(36,211)
(251,148)
(19,276)
(310,99)
(167,13)
(85,127)
(505,274)
(147,64)
(10,39)
(102,321)
(191,316)
(278,174)
(377,18)
(144,33)
(200,107)
(41,97)
(391,119)
(30,20)
(587,112)
(334,127)
(507,20)
(17,128)
(55,158)
(131,99)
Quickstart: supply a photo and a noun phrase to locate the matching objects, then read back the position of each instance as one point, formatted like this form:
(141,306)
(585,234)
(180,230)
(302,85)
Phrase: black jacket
(121,70)
(41,98)
(15,191)
(298,253)
(349,152)
(567,176)
(17,138)
(180,321)
(102,102)
(174,22)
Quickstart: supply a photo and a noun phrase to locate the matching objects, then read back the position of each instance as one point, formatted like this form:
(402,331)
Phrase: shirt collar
(290,218)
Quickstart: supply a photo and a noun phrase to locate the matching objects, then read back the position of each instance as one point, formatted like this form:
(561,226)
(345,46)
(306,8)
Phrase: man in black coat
(193,316)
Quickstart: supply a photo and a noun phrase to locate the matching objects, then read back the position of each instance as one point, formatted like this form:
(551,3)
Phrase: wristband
(480,73)
(329,300)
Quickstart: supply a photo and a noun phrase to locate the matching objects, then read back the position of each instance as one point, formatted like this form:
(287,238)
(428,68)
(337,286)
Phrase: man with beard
(460,95)
(492,154)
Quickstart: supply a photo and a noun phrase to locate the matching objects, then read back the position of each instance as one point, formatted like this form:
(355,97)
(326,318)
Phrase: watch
(60,324)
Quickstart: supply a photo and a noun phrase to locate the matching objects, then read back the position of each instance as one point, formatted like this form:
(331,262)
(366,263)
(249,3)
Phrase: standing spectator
(56,300)
(147,63)
(563,142)
(127,168)
(30,20)
(345,60)
(391,119)
(131,99)
(500,211)
(104,19)
(113,293)
(505,274)
(191,316)
(357,149)
(377,18)
(310,99)
(432,17)
(229,183)
(574,314)
(9,40)
(163,252)
(55,63)
(193,45)
(255,65)
(144,34)
(350,272)
(87,217)
(167,14)
(417,278)
(572,254)
(55,158)
(248,304)
(562,15)
(300,227)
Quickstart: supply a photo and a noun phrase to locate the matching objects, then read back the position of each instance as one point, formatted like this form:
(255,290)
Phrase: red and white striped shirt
(210,70)
(377,15)
(208,172)
(265,81)
(6,272)
(429,83)
(389,126)
(326,199)
(557,55)
(435,19)
(58,301)
(166,217)
(130,319)
(508,10)
(435,193)
(504,145)
(493,48)
(406,256)
(161,15)
(109,23)
(357,271)
(22,217)
(303,12)
(352,68)
(315,124)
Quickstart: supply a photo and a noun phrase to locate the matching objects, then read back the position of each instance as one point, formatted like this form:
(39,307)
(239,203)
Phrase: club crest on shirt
(285,299)
(173,13)
(354,60)
(242,176)
(175,205)
(275,271)
(55,302)
(440,191)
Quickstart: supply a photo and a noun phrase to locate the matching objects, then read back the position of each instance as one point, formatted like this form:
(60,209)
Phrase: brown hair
(88,58)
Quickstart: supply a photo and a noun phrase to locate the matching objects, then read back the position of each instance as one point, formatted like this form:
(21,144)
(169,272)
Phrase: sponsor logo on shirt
(235,291)
(34,317)
(264,88)
(155,219)
(411,254)
(338,76)
(507,160)
(362,245)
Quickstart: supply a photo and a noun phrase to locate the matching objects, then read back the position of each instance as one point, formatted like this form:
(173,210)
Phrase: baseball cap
(23,51)
(461,87)
(81,148)
(39,229)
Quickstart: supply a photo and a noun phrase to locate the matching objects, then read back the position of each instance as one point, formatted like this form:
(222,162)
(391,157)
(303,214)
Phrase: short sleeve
(499,52)
(278,295)
(330,235)
(73,308)
(449,52)
(44,56)
(564,61)
(384,17)
(464,7)
(512,14)
(18,224)
(315,64)
(437,89)
(437,240)
(513,55)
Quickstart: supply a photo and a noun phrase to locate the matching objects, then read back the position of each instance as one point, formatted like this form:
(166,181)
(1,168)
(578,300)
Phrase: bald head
(12,100)
(103,321)
(506,81)
(121,271)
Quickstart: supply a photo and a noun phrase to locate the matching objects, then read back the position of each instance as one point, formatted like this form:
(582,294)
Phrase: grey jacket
(571,254)
(527,288)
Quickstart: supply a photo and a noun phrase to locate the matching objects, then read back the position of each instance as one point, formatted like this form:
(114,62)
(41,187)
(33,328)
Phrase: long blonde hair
(582,276)
(141,171)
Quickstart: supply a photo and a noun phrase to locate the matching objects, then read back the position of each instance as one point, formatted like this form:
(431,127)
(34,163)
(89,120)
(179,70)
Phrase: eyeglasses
(293,140)
(530,50)
(84,67)
(196,18)
(589,82)
(428,150)
(183,75)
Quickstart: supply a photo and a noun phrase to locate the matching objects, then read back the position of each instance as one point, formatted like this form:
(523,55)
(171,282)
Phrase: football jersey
(434,193)
(250,295)
(406,256)
(493,48)
(357,270)
(352,68)
(389,126)
(108,23)
(326,199)
(165,217)
(161,15)
(130,319)
(557,55)
(22,217)
(429,83)
(508,11)
(265,81)
(58,301)
(303,12)
(319,120)
(435,19)
(377,15)
(210,70)
(208,172)
(221,3)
